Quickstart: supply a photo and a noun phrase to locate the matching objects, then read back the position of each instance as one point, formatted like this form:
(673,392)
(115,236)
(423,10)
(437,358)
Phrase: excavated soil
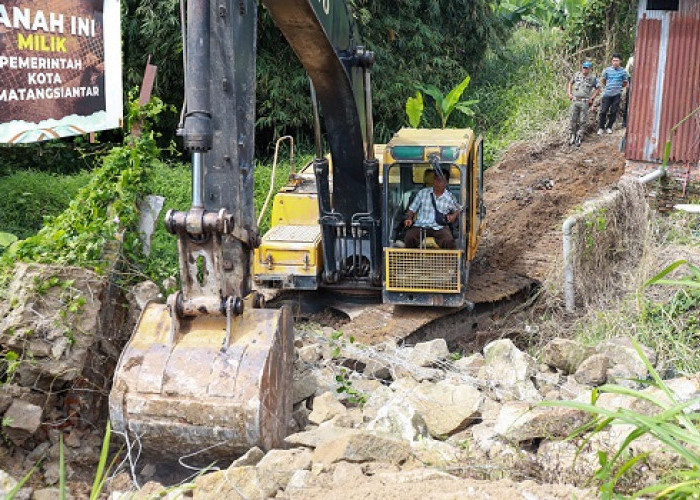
(529,193)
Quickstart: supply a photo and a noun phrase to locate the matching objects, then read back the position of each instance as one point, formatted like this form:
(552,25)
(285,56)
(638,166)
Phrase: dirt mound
(530,192)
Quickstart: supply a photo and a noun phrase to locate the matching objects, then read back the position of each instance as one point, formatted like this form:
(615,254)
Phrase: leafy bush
(607,24)
(59,156)
(104,212)
(26,197)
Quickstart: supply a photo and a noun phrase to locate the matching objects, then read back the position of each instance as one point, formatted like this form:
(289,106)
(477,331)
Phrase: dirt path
(530,192)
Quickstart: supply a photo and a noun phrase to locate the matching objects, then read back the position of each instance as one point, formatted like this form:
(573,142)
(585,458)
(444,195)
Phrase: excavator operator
(437,209)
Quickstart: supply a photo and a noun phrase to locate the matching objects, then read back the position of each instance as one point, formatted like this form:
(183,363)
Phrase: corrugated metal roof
(666,84)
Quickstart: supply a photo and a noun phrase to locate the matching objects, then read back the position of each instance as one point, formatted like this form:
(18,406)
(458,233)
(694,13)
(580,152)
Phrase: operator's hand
(408,222)
(571,96)
(590,102)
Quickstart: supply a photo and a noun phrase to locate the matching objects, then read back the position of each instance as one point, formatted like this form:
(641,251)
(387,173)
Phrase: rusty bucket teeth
(196,395)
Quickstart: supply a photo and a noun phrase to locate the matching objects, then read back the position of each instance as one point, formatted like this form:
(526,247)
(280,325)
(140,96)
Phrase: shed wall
(666,84)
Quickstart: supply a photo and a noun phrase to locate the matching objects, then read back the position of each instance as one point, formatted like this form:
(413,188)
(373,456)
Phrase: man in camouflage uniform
(583,88)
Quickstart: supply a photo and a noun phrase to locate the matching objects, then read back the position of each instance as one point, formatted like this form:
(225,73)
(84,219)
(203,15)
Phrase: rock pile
(383,420)
(416,422)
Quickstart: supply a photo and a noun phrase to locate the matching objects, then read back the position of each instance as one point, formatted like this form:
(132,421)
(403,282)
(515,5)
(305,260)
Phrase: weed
(20,484)
(9,363)
(61,469)
(345,386)
(103,469)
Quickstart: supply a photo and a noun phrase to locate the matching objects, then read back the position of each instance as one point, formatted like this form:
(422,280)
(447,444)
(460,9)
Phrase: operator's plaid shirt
(423,206)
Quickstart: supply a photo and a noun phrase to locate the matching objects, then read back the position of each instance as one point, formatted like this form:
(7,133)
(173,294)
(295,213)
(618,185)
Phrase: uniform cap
(587,64)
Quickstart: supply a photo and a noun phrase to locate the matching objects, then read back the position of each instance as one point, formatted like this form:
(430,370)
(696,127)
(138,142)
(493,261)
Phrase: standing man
(582,89)
(615,78)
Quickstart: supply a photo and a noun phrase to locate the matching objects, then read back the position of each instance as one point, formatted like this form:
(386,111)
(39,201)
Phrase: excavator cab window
(402,183)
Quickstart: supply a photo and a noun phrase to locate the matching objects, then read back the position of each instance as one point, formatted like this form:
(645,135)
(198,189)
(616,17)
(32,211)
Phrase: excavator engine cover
(195,393)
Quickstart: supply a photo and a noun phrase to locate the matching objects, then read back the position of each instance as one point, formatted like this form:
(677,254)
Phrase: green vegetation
(521,90)
(27,197)
(444,104)
(672,423)
(104,213)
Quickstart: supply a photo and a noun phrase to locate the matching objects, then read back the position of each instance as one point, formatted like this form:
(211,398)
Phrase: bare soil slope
(532,189)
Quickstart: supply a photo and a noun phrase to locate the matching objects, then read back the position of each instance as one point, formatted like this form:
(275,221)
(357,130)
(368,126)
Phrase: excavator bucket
(199,395)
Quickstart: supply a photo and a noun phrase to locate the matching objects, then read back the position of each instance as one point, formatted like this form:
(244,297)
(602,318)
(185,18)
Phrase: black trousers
(608,111)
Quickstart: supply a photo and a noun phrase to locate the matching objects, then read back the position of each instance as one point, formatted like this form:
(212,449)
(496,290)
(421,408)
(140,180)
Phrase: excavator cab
(429,275)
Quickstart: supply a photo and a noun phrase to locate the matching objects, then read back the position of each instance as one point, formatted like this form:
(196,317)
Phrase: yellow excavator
(210,372)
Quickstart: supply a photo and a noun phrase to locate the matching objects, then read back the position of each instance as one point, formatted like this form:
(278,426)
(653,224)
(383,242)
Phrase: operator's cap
(587,64)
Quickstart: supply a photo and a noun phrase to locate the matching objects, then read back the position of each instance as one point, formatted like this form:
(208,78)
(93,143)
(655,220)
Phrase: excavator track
(372,323)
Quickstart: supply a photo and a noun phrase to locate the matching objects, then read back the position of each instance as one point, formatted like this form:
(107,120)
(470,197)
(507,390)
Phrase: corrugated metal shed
(666,83)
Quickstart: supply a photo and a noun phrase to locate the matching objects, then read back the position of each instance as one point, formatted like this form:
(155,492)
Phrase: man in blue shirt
(424,206)
(614,78)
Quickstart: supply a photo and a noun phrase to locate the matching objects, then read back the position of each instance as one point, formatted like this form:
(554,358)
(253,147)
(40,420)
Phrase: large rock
(506,364)
(304,386)
(566,355)
(251,457)
(470,364)
(400,419)
(363,446)
(376,400)
(235,482)
(508,371)
(326,406)
(280,465)
(426,354)
(446,408)
(484,435)
(520,422)
(21,420)
(434,453)
(593,371)
(625,362)
(145,292)
(321,434)
(621,350)
(310,353)
(563,462)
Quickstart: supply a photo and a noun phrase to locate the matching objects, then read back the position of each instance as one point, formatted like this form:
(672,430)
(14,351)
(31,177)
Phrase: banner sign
(60,68)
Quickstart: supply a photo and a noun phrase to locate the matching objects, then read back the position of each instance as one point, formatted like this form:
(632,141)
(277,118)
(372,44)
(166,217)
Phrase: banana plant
(444,104)
(6,239)
(414,109)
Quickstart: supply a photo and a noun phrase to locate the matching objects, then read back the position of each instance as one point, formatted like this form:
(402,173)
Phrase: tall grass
(664,318)
(672,424)
(26,197)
